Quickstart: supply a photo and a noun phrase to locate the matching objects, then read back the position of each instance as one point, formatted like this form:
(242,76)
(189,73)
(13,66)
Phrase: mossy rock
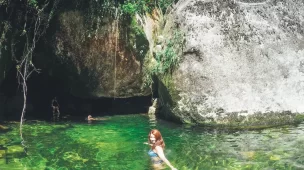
(15,150)
(2,154)
(299,118)
(3,128)
(3,141)
(73,156)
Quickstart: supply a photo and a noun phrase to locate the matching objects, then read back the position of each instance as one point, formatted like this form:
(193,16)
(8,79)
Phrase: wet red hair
(158,139)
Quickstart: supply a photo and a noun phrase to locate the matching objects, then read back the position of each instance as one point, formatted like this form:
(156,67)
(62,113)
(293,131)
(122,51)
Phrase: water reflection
(152,120)
(280,148)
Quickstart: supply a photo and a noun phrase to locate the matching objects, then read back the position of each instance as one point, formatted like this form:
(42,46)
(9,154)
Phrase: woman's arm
(160,153)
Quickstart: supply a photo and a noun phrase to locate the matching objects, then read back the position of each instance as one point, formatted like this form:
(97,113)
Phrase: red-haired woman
(157,149)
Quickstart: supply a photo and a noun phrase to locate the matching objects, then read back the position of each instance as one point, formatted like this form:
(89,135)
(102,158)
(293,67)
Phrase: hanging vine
(35,17)
(25,67)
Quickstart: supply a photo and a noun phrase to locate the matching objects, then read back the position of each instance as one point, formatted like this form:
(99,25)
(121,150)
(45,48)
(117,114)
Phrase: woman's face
(152,138)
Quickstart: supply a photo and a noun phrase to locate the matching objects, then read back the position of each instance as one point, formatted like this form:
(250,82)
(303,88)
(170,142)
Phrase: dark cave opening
(42,89)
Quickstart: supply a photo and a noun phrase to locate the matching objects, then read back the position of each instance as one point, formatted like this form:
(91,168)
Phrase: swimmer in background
(55,107)
(156,152)
(90,118)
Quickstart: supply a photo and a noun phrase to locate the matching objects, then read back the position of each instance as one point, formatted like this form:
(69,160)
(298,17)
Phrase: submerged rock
(3,128)
(15,150)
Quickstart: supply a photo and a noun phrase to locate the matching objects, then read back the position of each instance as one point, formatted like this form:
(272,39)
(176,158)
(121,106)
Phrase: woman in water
(157,150)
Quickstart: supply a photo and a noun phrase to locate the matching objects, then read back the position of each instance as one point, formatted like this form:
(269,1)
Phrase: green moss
(33,3)
(168,96)
(168,59)
(299,118)
(171,88)
(137,41)
(136,28)
(131,7)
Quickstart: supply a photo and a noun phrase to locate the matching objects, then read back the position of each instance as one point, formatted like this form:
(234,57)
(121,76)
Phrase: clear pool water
(118,143)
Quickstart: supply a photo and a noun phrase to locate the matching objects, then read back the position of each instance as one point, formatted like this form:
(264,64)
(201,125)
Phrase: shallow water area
(118,143)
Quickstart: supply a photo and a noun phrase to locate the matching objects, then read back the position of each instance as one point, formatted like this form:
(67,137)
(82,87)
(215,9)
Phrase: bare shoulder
(158,148)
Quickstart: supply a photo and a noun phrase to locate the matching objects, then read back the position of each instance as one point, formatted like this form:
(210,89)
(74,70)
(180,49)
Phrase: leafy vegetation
(131,7)
(168,58)
(33,3)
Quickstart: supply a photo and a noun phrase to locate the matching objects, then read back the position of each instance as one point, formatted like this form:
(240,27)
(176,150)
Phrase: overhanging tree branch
(36,21)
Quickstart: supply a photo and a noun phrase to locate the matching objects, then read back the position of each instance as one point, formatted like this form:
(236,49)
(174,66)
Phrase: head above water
(155,139)
(90,117)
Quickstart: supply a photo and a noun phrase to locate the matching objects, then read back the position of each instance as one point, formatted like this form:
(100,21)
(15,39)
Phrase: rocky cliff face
(84,49)
(104,61)
(242,62)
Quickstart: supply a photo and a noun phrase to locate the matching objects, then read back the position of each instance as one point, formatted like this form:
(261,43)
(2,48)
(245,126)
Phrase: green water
(118,143)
